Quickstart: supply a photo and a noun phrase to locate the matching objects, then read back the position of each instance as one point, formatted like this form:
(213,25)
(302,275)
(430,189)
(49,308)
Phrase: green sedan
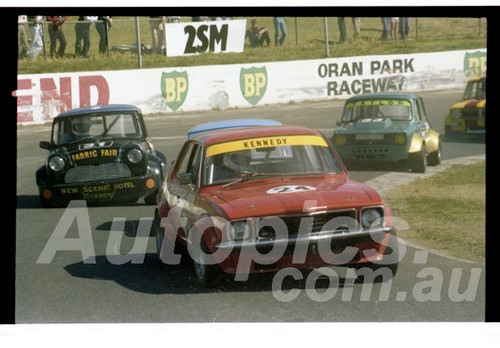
(387,128)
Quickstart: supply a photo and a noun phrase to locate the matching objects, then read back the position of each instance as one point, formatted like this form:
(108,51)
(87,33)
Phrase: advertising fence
(40,97)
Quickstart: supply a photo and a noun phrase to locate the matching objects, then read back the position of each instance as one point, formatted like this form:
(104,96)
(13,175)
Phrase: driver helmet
(81,126)
(238,161)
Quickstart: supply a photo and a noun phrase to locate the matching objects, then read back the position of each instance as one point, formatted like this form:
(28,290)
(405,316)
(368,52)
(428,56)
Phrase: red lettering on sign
(24,100)
(50,93)
(86,82)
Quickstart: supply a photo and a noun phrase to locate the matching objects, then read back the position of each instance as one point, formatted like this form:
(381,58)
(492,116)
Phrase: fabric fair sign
(41,97)
(205,37)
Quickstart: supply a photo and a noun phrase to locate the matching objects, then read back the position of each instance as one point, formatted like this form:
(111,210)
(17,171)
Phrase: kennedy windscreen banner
(40,97)
(205,37)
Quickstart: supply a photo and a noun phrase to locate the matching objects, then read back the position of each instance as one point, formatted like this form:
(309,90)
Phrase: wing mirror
(45,145)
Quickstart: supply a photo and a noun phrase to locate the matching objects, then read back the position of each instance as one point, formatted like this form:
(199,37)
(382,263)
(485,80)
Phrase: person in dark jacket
(103,26)
(56,34)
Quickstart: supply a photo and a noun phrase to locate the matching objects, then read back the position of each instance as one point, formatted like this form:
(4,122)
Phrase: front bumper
(120,190)
(273,255)
(373,153)
(468,126)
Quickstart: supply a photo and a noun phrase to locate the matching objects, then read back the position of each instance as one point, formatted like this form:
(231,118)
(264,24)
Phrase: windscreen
(397,110)
(268,157)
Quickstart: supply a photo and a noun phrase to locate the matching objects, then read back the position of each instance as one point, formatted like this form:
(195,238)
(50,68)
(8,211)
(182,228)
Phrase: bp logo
(174,88)
(253,84)
(475,63)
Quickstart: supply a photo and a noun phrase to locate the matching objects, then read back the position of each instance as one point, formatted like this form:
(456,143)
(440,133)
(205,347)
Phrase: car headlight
(400,138)
(241,230)
(372,218)
(56,163)
(456,113)
(134,155)
(339,139)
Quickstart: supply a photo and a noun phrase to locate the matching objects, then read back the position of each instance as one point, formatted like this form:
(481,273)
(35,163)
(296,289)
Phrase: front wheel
(434,158)
(417,161)
(157,231)
(151,199)
(206,274)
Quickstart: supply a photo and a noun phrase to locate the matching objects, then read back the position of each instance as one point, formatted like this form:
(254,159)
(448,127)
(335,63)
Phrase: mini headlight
(456,113)
(134,155)
(340,139)
(400,138)
(240,230)
(371,218)
(56,163)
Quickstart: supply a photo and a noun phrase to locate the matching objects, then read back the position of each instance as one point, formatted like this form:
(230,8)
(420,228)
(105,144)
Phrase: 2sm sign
(202,37)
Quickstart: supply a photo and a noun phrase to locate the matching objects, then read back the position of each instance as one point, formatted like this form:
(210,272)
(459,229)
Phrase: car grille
(472,112)
(387,139)
(318,221)
(103,171)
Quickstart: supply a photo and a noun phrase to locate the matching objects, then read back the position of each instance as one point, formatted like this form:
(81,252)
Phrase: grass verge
(446,212)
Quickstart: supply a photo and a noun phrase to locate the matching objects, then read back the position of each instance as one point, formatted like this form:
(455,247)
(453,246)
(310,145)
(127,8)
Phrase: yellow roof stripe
(259,143)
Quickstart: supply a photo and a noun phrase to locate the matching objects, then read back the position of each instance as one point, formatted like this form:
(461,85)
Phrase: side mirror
(45,145)
(185,179)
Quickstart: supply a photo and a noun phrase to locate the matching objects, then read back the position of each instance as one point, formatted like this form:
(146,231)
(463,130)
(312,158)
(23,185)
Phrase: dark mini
(101,154)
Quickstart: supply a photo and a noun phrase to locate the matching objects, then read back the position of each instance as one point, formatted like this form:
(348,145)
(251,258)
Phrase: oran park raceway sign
(41,97)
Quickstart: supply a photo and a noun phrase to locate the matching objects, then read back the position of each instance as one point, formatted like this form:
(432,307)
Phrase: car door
(185,184)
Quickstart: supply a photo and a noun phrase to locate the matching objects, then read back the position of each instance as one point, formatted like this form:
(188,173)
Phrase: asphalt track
(429,287)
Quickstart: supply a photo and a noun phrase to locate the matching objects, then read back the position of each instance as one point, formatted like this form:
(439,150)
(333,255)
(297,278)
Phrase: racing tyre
(434,158)
(206,275)
(158,233)
(151,199)
(417,161)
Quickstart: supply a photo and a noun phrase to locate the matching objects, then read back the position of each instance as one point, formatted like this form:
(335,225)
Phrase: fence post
(416,27)
(138,35)
(327,49)
(296,32)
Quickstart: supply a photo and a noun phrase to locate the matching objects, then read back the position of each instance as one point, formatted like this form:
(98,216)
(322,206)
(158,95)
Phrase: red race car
(260,199)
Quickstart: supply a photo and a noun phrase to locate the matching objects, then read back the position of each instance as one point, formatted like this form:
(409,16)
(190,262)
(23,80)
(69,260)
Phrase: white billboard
(205,37)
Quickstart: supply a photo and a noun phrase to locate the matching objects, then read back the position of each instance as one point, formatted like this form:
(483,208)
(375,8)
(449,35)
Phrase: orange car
(469,115)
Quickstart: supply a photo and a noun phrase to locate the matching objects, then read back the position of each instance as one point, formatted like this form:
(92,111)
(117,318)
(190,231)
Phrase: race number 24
(208,37)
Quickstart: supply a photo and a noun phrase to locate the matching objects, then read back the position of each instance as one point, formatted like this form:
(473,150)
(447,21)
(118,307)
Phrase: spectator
(103,25)
(342,29)
(174,19)
(279,30)
(257,35)
(57,34)
(394,27)
(82,33)
(386,27)
(404,27)
(157,32)
(36,34)
(356,23)
(22,37)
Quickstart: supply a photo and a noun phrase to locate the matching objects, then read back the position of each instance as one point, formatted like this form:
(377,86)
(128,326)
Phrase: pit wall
(40,97)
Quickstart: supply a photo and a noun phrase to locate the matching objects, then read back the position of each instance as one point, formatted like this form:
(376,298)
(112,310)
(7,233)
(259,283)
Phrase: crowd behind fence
(81,37)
